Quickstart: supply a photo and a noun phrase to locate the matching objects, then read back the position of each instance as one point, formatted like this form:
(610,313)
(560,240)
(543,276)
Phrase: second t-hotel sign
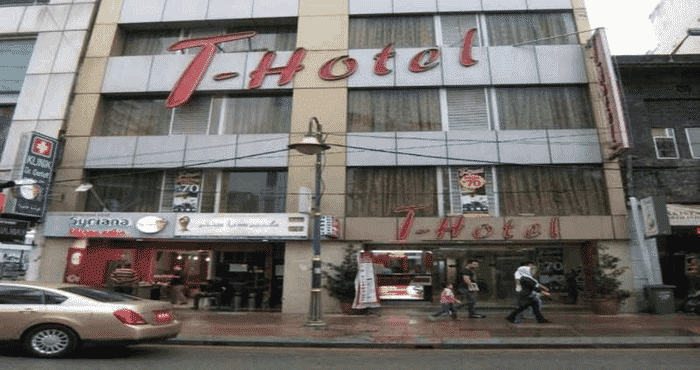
(195,71)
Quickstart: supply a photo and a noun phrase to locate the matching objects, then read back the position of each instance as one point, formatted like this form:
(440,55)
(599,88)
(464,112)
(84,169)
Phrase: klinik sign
(195,71)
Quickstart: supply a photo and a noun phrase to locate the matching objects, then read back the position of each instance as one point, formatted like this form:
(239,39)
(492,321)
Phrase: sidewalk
(410,328)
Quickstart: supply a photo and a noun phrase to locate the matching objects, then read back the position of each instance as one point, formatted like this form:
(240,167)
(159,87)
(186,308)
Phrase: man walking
(469,288)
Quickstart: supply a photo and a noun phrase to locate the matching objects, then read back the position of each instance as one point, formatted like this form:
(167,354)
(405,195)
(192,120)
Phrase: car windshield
(99,294)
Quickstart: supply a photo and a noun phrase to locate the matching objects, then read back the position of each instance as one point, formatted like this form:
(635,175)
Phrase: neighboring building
(662,96)
(671,20)
(41,43)
(443,149)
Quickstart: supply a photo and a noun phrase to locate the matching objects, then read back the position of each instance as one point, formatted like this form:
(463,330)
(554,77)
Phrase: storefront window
(514,28)
(402,32)
(394,110)
(125,192)
(552,190)
(254,192)
(381,191)
(540,108)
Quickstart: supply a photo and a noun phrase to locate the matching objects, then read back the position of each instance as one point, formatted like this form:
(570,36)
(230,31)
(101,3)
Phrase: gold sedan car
(53,319)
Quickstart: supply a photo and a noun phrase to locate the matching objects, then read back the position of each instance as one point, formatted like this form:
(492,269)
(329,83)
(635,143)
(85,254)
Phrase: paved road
(157,357)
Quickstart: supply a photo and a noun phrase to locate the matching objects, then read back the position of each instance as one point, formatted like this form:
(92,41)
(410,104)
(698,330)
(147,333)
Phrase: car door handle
(28,310)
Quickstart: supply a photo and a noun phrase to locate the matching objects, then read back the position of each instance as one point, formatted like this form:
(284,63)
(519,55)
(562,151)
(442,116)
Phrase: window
(203,115)
(552,190)
(467,109)
(454,27)
(394,110)
(694,141)
(52,298)
(664,143)
(125,192)
(254,192)
(15,55)
(6,113)
(190,190)
(539,108)
(20,295)
(402,32)
(22,2)
(514,28)
(380,191)
(155,42)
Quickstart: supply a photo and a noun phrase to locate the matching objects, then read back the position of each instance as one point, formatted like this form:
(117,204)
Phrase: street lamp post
(313,143)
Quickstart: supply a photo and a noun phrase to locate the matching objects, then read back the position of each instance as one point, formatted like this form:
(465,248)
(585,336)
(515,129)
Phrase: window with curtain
(380,191)
(545,107)
(254,192)
(257,115)
(394,110)
(156,42)
(514,28)
(402,32)
(14,56)
(6,113)
(125,192)
(454,27)
(552,190)
(135,117)
(22,2)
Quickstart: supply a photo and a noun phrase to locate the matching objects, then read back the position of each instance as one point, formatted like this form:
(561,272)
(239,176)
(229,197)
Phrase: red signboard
(195,71)
(610,92)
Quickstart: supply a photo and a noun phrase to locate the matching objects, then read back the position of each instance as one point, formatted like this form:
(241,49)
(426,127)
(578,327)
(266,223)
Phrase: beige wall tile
(66,199)
(328,105)
(323,7)
(371,228)
(91,75)
(83,113)
(618,203)
(333,198)
(74,152)
(323,33)
(586,227)
(109,12)
(314,60)
(578,4)
(53,260)
(620,227)
(102,42)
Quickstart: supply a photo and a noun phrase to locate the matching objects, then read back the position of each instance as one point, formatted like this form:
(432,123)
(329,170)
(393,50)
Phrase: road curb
(521,343)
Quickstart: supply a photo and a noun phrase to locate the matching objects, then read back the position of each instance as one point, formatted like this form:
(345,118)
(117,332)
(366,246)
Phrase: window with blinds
(467,109)
(193,118)
(454,27)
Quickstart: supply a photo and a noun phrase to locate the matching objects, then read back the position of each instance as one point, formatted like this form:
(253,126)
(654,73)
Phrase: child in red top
(447,300)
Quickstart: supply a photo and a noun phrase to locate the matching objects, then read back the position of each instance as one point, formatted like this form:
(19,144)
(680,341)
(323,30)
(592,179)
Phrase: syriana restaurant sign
(195,71)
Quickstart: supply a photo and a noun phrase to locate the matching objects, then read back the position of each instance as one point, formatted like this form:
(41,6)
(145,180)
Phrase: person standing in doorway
(123,279)
(469,289)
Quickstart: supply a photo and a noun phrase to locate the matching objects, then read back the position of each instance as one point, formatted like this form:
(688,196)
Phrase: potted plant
(605,293)
(340,280)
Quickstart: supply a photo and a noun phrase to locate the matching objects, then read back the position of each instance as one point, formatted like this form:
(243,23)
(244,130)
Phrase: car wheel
(50,341)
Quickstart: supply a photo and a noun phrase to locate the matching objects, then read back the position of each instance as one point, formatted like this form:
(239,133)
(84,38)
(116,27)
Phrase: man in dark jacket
(527,296)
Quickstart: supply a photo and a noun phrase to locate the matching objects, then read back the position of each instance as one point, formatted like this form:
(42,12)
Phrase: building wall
(61,29)
(323,30)
(661,93)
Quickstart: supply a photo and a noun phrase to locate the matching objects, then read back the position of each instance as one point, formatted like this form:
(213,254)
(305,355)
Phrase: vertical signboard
(610,92)
(188,184)
(36,161)
(472,185)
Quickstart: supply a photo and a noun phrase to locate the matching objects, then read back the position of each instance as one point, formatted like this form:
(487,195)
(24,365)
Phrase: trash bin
(660,298)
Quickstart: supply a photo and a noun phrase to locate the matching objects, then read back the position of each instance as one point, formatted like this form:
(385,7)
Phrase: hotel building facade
(458,130)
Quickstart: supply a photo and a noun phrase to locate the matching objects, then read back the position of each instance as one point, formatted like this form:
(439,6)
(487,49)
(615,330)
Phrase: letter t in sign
(193,74)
